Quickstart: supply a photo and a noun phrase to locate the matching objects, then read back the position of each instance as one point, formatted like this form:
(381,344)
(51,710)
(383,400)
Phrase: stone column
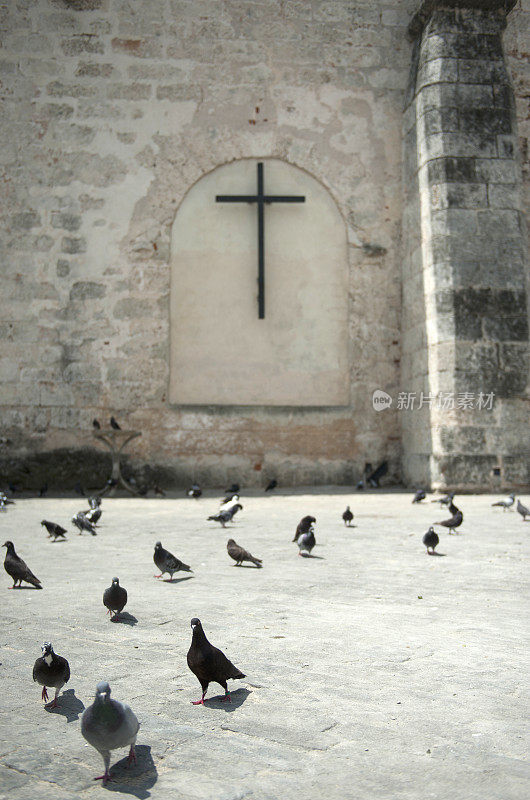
(465,318)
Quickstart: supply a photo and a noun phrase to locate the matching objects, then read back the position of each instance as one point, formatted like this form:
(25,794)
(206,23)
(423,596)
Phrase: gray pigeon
(108,724)
(306,542)
(505,504)
(115,598)
(523,511)
(51,670)
(419,496)
(83,524)
(167,562)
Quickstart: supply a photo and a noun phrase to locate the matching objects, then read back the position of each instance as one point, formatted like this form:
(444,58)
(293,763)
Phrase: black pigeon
(83,524)
(53,529)
(419,496)
(226,516)
(304,526)
(444,501)
(115,598)
(158,490)
(17,568)
(93,515)
(271,485)
(455,521)
(43,491)
(505,504)
(208,663)
(234,489)
(194,491)
(374,477)
(306,542)
(239,554)
(430,540)
(347,516)
(96,425)
(167,562)
(523,511)
(114,424)
(51,670)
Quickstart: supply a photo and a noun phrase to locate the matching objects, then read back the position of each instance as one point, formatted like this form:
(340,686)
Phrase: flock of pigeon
(109,724)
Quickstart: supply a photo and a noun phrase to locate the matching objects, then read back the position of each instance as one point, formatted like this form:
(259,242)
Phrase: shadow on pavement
(137,778)
(69,706)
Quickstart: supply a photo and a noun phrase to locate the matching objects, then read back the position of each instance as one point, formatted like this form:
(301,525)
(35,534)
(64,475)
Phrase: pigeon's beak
(103,695)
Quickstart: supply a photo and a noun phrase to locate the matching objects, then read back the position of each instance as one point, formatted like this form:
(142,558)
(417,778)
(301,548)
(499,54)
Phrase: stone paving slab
(373,670)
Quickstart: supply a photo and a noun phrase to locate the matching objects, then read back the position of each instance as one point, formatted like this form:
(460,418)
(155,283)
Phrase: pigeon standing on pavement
(18,569)
(167,562)
(194,491)
(446,500)
(419,496)
(96,425)
(228,501)
(522,510)
(239,554)
(306,542)
(83,524)
(505,504)
(114,424)
(304,526)
(93,515)
(347,517)
(51,670)
(115,599)
(53,529)
(234,489)
(108,724)
(430,540)
(453,522)
(208,663)
(226,516)
(271,485)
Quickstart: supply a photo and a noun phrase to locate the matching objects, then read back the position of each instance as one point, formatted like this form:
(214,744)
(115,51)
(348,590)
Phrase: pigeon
(347,517)
(304,526)
(208,663)
(505,504)
(234,489)
(194,491)
(115,599)
(6,500)
(229,500)
(239,554)
(94,502)
(53,529)
(271,485)
(523,511)
(43,491)
(226,516)
(83,524)
(359,486)
(453,522)
(419,496)
(158,490)
(444,501)
(93,515)
(18,569)
(167,562)
(306,542)
(51,670)
(430,540)
(374,477)
(114,424)
(96,425)
(108,724)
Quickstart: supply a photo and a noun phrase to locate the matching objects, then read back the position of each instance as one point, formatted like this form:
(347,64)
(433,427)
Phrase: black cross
(261,199)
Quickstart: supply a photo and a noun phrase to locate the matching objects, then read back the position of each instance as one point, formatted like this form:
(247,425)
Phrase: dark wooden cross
(261,199)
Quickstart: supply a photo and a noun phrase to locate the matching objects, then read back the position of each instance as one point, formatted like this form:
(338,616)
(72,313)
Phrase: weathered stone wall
(473,247)
(112,110)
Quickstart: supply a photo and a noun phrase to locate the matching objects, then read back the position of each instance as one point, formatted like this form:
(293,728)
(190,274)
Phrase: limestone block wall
(112,110)
(473,247)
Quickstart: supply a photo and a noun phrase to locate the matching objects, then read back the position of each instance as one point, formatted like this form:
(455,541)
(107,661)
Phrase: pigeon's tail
(500,503)
(236,673)
(30,578)
(214,517)
(186,568)
(257,561)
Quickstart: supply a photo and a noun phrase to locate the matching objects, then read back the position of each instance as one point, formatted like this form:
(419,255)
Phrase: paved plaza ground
(373,670)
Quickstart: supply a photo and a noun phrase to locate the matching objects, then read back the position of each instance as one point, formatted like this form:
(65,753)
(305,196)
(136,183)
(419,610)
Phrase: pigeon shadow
(55,541)
(440,555)
(125,618)
(35,588)
(247,566)
(177,580)
(237,698)
(320,558)
(69,706)
(137,778)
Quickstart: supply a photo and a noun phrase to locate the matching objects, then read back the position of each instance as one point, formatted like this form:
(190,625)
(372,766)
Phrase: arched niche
(221,352)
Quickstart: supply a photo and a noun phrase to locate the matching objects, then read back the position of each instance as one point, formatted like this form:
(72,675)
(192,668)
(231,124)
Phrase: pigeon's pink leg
(105,778)
(44,694)
(53,703)
(158,576)
(198,702)
(131,759)
(226,698)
